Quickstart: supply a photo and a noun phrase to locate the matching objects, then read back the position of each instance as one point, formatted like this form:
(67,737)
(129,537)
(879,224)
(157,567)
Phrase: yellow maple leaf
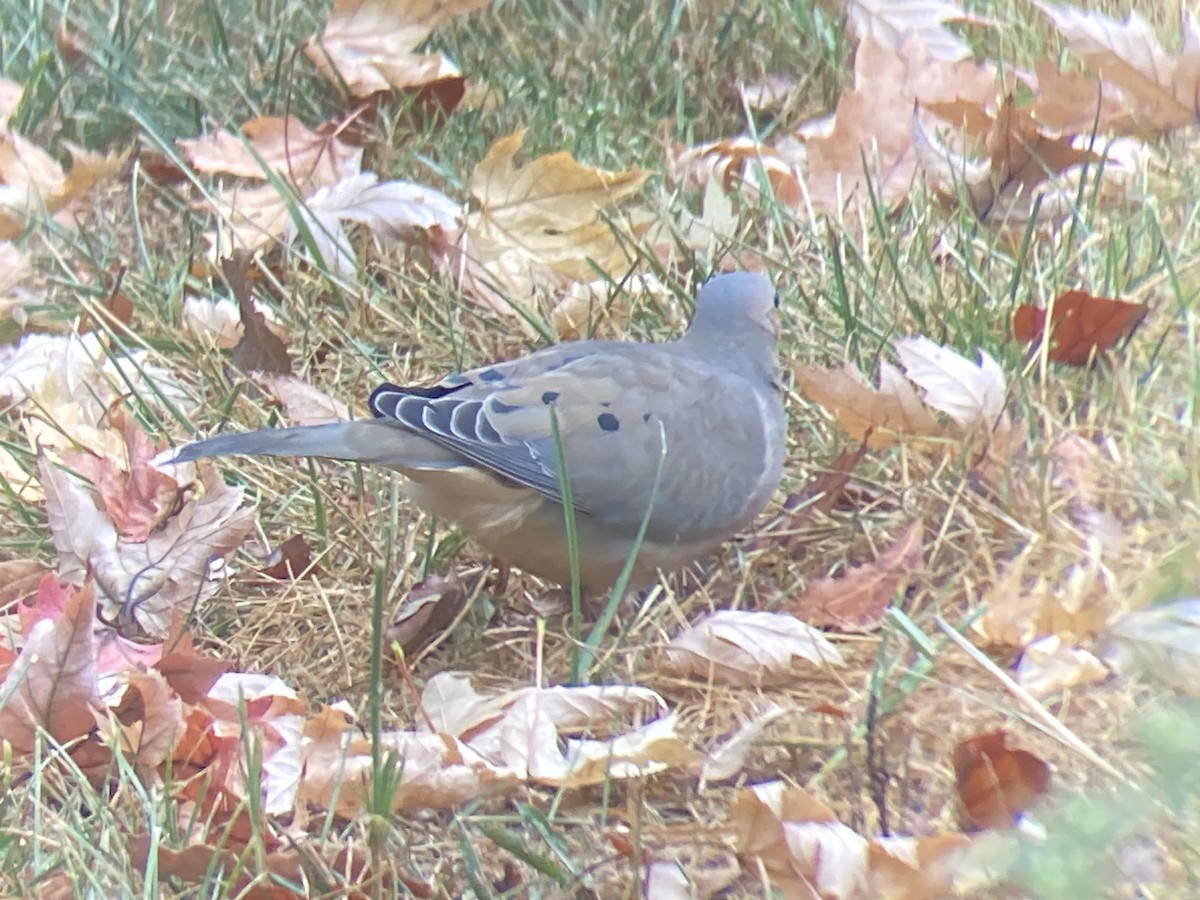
(540,223)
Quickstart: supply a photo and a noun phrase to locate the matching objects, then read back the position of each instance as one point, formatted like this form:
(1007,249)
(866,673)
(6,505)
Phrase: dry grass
(402,326)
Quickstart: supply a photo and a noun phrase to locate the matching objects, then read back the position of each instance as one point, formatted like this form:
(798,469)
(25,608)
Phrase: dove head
(735,321)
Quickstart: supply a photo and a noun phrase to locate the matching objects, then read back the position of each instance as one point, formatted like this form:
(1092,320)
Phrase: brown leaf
(1075,103)
(857,600)
(189,674)
(368,45)
(1081,326)
(290,560)
(431,605)
(877,416)
(997,784)
(52,685)
(307,158)
(1073,600)
(1022,172)
(149,718)
(259,350)
(1164,89)
(872,124)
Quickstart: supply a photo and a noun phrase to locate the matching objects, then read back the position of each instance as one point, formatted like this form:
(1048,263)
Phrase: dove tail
(362,440)
(313,440)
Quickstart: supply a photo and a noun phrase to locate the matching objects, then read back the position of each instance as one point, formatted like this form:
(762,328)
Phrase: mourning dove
(701,416)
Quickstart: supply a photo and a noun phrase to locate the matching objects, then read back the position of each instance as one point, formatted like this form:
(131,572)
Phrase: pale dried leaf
(726,760)
(456,708)
(393,210)
(1165,89)
(880,415)
(1048,665)
(971,394)
(303,403)
(739,647)
(1163,641)
(154,580)
(368,45)
(889,22)
(217,319)
(276,144)
(530,742)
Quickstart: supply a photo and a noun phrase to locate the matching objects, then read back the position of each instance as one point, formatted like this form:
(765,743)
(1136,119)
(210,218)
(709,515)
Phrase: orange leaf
(997,784)
(1081,326)
(857,600)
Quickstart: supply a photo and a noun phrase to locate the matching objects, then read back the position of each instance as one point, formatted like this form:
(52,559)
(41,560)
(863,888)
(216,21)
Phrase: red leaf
(1081,326)
(995,783)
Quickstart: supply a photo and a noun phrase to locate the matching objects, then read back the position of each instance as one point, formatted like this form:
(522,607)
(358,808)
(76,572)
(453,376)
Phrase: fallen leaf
(259,350)
(396,210)
(368,45)
(146,721)
(1048,666)
(19,580)
(1162,641)
(284,145)
(290,560)
(144,581)
(857,600)
(739,647)
(303,404)
(136,496)
(867,156)
(738,165)
(1025,173)
(218,319)
(890,22)
(878,416)
(997,784)
(190,675)
(426,612)
(727,759)
(537,223)
(1082,327)
(1075,103)
(531,742)
(52,685)
(971,394)
(1164,89)
(1074,601)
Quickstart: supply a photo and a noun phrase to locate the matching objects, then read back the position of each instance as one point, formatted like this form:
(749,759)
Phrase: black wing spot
(608,422)
(777,299)
(549,397)
(646,417)
(499,406)
(490,375)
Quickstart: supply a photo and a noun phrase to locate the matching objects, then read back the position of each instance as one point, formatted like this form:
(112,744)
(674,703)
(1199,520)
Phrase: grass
(613,83)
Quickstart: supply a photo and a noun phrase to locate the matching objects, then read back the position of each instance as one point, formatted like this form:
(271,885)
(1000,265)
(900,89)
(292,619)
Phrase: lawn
(952,658)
